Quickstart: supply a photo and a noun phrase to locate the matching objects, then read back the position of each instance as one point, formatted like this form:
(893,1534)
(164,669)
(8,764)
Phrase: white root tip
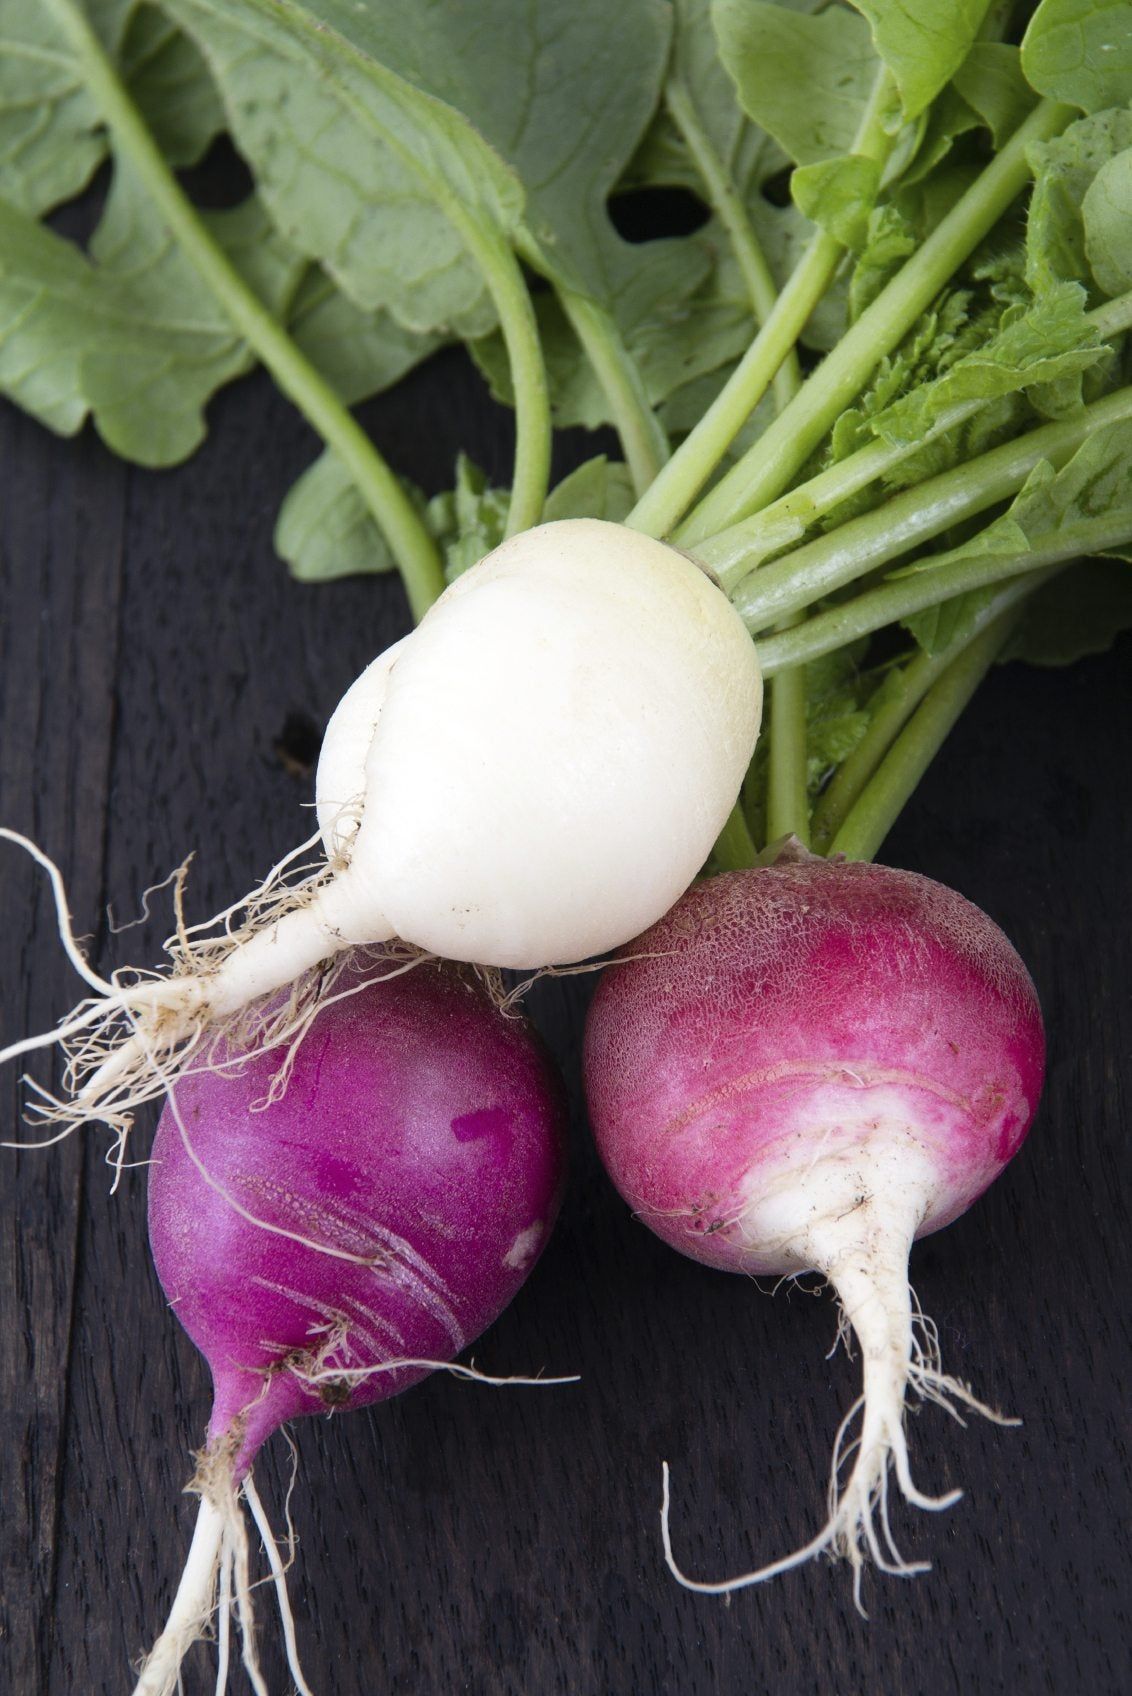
(862,1246)
(194,1603)
(858,1525)
(253,978)
(216,1581)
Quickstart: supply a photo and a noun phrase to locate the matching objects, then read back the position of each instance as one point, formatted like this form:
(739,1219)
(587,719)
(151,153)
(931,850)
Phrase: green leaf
(1064,171)
(600,488)
(839,705)
(936,628)
(127,336)
(1080,612)
(360,353)
(51,140)
(1080,51)
(890,239)
(359,169)
(990,80)
(838,195)
(804,79)
(169,79)
(1086,507)
(562,93)
(1106,214)
(949,117)
(591,77)
(470,521)
(324,529)
(922,42)
(1048,339)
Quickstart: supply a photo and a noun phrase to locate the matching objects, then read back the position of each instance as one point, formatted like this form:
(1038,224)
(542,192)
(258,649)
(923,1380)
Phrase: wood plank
(60,576)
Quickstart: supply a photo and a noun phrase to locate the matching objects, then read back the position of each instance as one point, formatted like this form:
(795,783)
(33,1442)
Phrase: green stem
(413,548)
(500,270)
(787,772)
(1114,317)
(700,453)
(787,787)
(642,436)
(734,847)
(766,469)
(795,581)
(883,798)
(735,552)
(787,794)
(903,694)
(739,549)
(728,206)
(929,588)
(501,273)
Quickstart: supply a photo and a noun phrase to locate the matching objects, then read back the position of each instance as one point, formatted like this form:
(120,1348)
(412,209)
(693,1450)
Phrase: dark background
(160,678)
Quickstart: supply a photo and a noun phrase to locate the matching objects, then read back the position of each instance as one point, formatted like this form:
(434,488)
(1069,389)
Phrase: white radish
(530,778)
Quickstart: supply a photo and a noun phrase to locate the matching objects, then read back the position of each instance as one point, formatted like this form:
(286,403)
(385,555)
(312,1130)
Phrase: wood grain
(465,1539)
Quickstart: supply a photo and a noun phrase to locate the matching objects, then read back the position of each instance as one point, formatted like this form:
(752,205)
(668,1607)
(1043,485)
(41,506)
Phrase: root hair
(217,1583)
(139,1030)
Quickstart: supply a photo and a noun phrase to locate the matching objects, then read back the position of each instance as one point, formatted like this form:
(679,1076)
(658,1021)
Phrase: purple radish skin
(805,1067)
(385,1207)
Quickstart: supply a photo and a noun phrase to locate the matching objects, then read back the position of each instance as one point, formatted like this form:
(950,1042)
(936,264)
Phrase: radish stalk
(728,206)
(883,798)
(677,486)
(913,516)
(734,552)
(416,553)
(639,429)
(767,468)
(903,696)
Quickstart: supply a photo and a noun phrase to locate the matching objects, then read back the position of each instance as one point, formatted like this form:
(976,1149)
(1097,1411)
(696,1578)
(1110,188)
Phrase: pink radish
(805,1067)
(324,1245)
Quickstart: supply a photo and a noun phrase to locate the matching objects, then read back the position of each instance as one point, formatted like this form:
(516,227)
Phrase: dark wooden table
(162,682)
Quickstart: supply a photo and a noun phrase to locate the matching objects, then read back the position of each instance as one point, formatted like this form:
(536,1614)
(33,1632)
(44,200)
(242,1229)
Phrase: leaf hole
(220,180)
(648,214)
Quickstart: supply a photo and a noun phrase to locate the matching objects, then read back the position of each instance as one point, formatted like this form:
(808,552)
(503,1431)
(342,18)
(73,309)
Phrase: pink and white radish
(805,1067)
(324,1246)
(530,777)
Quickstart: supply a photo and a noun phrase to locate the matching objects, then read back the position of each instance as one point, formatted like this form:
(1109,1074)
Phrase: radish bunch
(804,1067)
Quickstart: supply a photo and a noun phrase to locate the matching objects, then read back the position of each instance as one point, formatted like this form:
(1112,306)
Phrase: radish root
(235,984)
(860,1241)
(216,1581)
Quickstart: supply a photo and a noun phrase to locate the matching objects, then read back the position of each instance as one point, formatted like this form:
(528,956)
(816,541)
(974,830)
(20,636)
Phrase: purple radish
(381,1208)
(803,1068)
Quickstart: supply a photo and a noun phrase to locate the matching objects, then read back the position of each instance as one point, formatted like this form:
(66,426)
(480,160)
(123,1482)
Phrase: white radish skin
(341,787)
(530,778)
(560,744)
